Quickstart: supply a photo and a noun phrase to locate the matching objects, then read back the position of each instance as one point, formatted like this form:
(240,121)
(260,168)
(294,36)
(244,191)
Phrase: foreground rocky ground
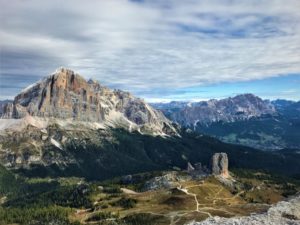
(282,213)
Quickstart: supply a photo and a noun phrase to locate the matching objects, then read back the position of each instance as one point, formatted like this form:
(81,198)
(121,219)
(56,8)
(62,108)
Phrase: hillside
(105,153)
(74,201)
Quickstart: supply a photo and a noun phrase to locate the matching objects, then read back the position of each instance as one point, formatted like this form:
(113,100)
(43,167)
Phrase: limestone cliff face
(219,164)
(239,108)
(66,95)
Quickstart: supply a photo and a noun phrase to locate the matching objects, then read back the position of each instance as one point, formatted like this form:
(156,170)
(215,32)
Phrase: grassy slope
(69,202)
(254,189)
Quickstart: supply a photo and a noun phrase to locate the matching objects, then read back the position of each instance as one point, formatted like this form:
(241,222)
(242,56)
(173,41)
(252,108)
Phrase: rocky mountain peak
(92,81)
(248,96)
(67,95)
(240,107)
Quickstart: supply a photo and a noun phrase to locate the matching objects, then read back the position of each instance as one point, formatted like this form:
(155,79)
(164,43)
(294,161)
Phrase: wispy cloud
(143,46)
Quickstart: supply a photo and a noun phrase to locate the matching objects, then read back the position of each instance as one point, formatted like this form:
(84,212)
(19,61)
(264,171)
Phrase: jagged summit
(92,81)
(240,107)
(67,95)
(246,96)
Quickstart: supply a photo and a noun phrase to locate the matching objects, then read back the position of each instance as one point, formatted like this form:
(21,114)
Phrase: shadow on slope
(131,153)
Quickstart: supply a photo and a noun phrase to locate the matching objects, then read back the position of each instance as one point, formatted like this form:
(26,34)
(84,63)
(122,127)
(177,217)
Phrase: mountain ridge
(65,125)
(66,95)
(239,107)
(244,119)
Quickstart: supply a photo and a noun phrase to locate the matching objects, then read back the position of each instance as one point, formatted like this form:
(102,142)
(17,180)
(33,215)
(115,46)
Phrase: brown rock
(66,94)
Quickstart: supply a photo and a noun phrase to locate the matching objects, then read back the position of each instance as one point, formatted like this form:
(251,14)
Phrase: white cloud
(152,44)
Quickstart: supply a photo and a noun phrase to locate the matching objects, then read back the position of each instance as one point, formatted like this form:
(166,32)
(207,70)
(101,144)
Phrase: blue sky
(158,50)
(284,87)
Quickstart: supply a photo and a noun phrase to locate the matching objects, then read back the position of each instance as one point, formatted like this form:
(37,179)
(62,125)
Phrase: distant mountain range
(64,125)
(244,119)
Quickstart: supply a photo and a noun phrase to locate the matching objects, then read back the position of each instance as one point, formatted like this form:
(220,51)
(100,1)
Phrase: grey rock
(198,166)
(44,137)
(7,110)
(219,164)
(190,167)
(168,180)
(283,213)
(4,103)
(240,107)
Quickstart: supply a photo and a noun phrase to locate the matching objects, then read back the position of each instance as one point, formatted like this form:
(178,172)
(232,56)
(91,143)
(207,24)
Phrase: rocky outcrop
(167,181)
(3,105)
(190,167)
(283,213)
(197,171)
(219,165)
(67,95)
(240,107)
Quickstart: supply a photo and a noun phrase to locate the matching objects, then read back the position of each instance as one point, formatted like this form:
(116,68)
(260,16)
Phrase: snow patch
(56,143)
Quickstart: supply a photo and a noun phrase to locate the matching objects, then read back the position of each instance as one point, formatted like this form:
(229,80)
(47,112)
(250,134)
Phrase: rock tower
(219,164)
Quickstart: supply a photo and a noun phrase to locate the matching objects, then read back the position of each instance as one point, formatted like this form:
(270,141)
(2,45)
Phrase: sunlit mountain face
(149,112)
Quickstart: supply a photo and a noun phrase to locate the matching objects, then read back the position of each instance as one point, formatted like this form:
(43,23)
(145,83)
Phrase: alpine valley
(73,151)
(244,119)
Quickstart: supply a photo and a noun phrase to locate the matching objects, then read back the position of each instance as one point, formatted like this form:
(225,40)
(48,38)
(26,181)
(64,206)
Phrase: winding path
(185,190)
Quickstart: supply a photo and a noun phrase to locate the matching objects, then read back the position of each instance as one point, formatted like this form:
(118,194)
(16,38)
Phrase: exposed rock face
(240,107)
(66,94)
(190,167)
(201,168)
(64,110)
(283,213)
(7,110)
(3,104)
(219,164)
